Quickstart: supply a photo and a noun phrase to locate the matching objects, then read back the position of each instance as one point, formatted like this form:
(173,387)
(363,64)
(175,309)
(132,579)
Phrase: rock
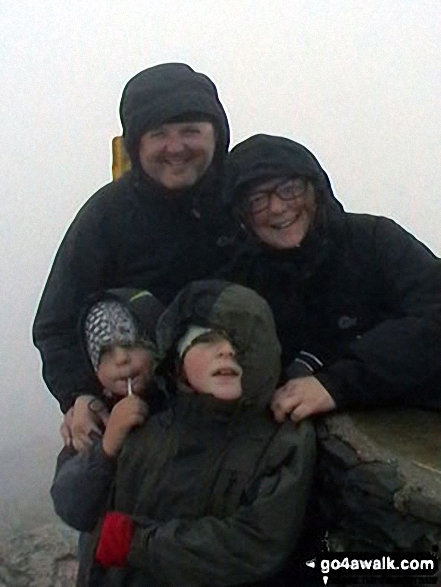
(380,475)
(43,557)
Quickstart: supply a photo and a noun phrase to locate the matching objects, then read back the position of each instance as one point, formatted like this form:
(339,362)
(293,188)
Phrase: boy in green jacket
(211,491)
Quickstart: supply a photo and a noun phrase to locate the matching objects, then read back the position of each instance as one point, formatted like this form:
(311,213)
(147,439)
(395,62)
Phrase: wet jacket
(217,489)
(82,482)
(360,293)
(133,232)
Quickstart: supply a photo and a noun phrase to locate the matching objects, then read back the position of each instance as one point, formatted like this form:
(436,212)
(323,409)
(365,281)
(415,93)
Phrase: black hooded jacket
(217,489)
(134,232)
(360,293)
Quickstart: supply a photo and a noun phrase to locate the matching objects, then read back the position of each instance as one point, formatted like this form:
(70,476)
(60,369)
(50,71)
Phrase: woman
(356,298)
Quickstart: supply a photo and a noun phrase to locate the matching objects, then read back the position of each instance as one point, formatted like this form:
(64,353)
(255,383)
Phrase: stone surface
(43,557)
(380,475)
(380,486)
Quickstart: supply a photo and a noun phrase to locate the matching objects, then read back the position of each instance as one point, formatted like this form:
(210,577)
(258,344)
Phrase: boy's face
(210,367)
(118,363)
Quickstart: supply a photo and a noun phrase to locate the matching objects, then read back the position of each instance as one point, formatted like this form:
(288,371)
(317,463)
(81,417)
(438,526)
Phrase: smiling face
(177,155)
(284,222)
(210,367)
(119,362)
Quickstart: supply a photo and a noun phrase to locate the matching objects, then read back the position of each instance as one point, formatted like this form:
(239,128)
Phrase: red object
(115,540)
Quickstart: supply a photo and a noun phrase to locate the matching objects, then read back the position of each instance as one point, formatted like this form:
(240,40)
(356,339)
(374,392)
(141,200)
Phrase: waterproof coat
(217,489)
(360,294)
(133,232)
(82,482)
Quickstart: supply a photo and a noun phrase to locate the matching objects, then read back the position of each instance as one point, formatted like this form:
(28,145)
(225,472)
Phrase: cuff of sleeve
(304,365)
(332,384)
(115,540)
(350,385)
(140,549)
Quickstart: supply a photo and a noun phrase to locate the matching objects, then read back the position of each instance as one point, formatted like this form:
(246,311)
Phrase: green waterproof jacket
(217,489)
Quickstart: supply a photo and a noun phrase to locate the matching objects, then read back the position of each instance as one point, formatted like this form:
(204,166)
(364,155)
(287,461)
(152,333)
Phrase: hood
(167,91)
(263,157)
(243,315)
(143,306)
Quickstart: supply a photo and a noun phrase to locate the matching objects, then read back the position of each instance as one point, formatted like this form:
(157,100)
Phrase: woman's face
(280,211)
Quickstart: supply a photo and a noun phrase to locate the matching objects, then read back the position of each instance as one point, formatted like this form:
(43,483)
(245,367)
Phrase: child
(211,491)
(118,333)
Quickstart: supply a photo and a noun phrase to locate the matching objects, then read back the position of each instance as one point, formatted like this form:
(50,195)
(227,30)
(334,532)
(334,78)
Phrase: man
(158,227)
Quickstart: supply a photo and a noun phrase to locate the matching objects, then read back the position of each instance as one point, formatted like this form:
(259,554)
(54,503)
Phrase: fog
(357,82)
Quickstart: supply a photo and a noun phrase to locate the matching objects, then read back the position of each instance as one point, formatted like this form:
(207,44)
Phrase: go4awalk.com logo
(369,568)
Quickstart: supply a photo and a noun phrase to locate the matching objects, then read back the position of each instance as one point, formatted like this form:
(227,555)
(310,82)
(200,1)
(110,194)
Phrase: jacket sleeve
(81,486)
(81,267)
(251,544)
(402,353)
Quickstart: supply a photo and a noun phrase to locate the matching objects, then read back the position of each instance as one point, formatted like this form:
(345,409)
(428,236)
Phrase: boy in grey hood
(211,491)
(118,332)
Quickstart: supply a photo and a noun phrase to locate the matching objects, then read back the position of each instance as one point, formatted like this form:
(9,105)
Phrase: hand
(90,416)
(66,427)
(128,413)
(300,398)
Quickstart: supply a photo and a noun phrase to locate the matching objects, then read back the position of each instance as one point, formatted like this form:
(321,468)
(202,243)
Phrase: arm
(82,480)
(390,361)
(82,266)
(402,352)
(251,544)
(81,486)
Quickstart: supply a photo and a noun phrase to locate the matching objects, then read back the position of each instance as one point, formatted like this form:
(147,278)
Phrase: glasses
(288,189)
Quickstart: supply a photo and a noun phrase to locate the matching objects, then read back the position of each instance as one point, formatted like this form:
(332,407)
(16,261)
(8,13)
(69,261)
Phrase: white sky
(357,82)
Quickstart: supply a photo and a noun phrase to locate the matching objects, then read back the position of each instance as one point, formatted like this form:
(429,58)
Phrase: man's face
(210,367)
(289,210)
(118,363)
(177,155)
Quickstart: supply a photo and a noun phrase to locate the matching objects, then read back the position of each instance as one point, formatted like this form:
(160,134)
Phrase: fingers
(66,427)
(279,412)
(291,404)
(82,436)
(85,424)
(300,413)
(133,404)
(103,416)
(285,400)
(66,435)
(135,419)
(129,412)
(81,442)
(301,398)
